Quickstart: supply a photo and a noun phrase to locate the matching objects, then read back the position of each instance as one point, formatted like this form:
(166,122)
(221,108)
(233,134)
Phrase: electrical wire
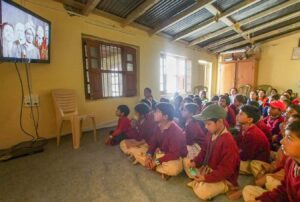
(21,107)
(30,97)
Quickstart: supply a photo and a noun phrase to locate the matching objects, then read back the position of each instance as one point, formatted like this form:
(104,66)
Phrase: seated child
(198,102)
(178,104)
(252,142)
(202,95)
(123,126)
(273,120)
(142,130)
(167,146)
(291,110)
(289,190)
(195,136)
(238,102)
(224,101)
(262,98)
(216,168)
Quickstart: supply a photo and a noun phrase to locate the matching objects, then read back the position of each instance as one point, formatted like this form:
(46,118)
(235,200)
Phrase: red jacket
(264,128)
(274,124)
(289,191)
(194,133)
(123,127)
(230,117)
(144,129)
(234,108)
(253,144)
(171,141)
(224,159)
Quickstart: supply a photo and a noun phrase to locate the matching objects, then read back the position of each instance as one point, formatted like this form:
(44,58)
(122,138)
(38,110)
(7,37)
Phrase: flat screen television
(25,36)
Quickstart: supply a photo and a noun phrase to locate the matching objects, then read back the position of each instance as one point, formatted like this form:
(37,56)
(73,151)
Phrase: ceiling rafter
(90,6)
(244,22)
(203,25)
(259,37)
(140,10)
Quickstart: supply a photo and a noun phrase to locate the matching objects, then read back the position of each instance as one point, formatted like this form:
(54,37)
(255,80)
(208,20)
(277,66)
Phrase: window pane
(87,77)
(129,57)
(112,84)
(93,52)
(94,63)
(129,67)
(86,63)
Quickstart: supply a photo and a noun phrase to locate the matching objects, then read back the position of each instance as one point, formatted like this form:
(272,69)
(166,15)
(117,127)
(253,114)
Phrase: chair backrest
(266,88)
(65,101)
(199,88)
(244,89)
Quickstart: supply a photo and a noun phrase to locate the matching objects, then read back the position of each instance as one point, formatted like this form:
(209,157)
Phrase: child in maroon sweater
(252,142)
(195,136)
(238,102)
(123,126)
(224,101)
(168,145)
(273,120)
(289,191)
(216,168)
(139,136)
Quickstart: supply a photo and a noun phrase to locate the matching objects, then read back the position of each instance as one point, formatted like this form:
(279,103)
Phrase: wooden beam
(71,3)
(203,25)
(245,21)
(259,37)
(255,29)
(90,6)
(140,10)
(174,19)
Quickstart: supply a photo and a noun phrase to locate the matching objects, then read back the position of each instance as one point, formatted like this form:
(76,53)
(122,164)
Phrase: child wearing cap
(195,136)
(216,168)
(124,125)
(224,102)
(139,137)
(273,120)
(289,190)
(252,142)
(167,146)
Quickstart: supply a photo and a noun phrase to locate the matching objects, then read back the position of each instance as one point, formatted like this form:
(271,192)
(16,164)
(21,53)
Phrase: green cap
(213,111)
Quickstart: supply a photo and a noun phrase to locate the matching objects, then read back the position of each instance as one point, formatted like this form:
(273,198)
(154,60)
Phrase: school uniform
(168,147)
(289,191)
(253,145)
(274,124)
(231,119)
(195,138)
(123,127)
(265,129)
(142,134)
(234,108)
(221,156)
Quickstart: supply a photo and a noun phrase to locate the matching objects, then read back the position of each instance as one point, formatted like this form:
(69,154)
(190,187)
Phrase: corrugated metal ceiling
(226,4)
(120,8)
(163,10)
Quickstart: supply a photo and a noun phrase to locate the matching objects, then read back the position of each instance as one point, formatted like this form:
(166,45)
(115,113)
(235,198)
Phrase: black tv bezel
(25,60)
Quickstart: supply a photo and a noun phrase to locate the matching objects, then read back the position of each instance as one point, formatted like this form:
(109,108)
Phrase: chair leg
(81,128)
(59,133)
(94,128)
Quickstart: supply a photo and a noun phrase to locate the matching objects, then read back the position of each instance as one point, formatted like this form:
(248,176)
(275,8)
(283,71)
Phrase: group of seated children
(215,141)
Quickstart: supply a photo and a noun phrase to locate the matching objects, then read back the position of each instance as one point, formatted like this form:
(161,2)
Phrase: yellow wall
(276,67)
(66,71)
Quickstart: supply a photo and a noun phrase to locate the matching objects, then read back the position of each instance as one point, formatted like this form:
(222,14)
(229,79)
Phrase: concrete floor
(94,172)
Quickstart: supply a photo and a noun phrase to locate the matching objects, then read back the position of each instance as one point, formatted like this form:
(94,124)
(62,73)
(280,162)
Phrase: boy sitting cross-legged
(167,146)
(216,168)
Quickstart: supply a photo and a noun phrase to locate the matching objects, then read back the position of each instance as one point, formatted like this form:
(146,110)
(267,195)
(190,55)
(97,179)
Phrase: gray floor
(95,172)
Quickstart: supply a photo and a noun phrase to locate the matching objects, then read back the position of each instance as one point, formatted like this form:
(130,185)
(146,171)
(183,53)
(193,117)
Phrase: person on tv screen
(29,50)
(19,40)
(7,39)
(41,42)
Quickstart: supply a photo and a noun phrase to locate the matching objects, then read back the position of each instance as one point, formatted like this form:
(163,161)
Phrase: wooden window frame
(93,76)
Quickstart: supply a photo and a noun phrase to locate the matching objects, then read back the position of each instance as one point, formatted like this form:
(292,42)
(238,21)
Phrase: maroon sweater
(171,141)
(231,117)
(265,129)
(289,191)
(224,159)
(194,133)
(274,124)
(144,129)
(253,144)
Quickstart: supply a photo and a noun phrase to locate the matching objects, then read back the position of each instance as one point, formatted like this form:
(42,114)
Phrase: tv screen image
(25,36)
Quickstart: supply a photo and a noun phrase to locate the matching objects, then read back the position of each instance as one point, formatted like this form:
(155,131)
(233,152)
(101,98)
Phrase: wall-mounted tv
(25,36)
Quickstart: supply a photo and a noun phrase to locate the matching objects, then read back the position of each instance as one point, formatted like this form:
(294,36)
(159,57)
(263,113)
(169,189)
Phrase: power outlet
(34,101)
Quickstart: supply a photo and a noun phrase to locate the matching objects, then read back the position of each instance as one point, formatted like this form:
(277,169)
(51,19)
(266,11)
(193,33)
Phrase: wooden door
(227,77)
(246,73)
